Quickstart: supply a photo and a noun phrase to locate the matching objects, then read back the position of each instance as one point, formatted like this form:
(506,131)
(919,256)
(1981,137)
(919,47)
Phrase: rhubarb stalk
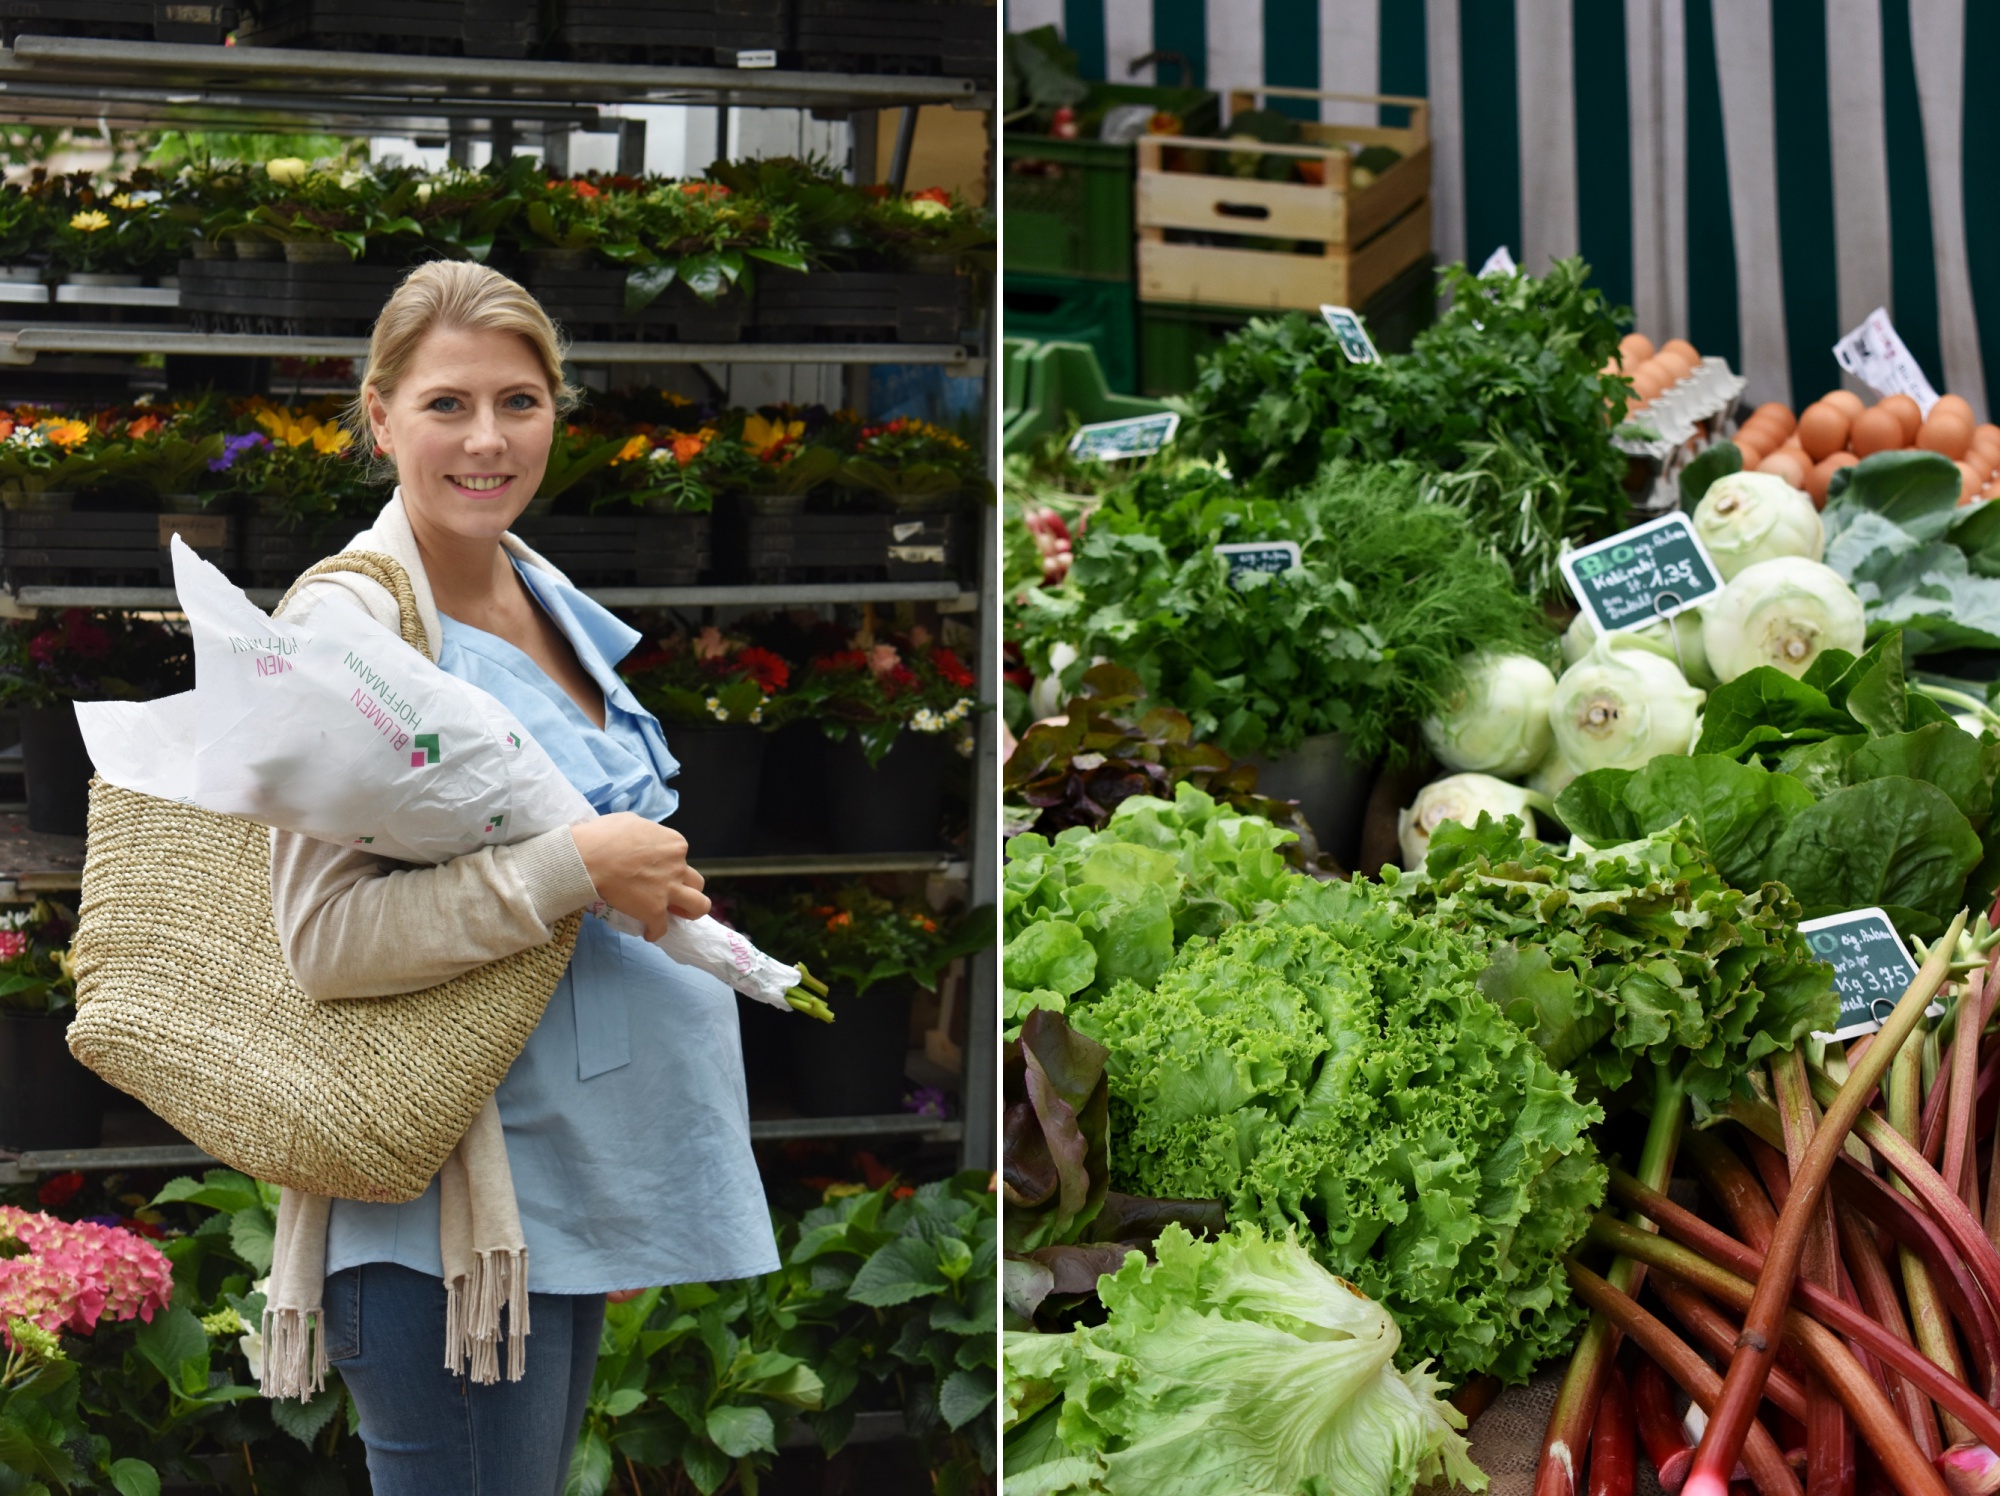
(1878,1296)
(1613,1456)
(1760,1452)
(1927,1320)
(1659,1425)
(1575,1407)
(1958,1142)
(1723,1440)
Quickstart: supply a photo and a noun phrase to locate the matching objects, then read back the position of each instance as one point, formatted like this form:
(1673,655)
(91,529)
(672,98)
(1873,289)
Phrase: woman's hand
(623,1295)
(640,868)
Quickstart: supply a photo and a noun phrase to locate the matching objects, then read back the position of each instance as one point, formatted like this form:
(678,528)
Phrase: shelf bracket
(14,356)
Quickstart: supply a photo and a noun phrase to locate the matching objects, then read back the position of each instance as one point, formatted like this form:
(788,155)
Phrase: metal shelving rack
(132,85)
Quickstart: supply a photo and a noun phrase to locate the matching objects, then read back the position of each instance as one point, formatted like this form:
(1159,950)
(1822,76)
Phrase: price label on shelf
(1650,571)
(1872,968)
(1875,354)
(1269,556)
(1115,441)
(1351,333)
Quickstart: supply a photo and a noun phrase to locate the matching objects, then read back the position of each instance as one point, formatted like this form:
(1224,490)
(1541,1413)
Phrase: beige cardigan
(355,925)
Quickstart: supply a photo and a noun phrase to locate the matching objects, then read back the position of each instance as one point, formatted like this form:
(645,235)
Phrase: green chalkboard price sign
(1244,557)
(1654,570)
(1872,968)
(1135,436)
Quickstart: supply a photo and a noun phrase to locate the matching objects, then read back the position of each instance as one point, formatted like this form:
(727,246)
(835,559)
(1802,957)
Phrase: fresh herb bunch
(83,656)
(1336,1070)
(877,687)
(1367,637)
(1503,400)
(698,680)
(1077,771)
(855,935)
(35,971)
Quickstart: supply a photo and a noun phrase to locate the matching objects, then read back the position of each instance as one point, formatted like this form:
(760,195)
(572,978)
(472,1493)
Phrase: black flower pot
(890,807)
(720,770)
(767,1051)
(853,1067)
(57,769)
(47,1099)
(791,797)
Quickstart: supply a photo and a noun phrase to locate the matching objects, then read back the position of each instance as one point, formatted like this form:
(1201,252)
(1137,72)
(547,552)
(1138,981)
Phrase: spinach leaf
(1885,841)
(1739,811)
(1765,706)
(1939,753)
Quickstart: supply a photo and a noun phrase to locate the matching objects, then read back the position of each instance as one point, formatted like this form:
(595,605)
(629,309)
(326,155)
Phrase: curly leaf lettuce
(1336,1070)
(1639,953)
(1238,1367)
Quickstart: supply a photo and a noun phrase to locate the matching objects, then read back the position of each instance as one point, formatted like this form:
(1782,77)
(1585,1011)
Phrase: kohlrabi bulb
(1553,775)
(1783,613)
(1658,636)
(1498,723)
(1750,517)
(1458,797)
(1622,706)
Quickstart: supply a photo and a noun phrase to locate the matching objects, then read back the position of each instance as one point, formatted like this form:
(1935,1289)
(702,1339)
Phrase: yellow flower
(286,171)
(66,433)
(330,438)
(635,446)
(124,200)
(760,435)
(90,222)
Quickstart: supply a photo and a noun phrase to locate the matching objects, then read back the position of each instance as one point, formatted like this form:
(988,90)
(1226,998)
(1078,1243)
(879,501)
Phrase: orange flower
(840,921)
(635,446)
(687,448)
(144,427)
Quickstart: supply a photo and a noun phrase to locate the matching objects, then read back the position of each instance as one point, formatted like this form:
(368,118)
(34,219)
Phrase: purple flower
(234,448)
(927,1101)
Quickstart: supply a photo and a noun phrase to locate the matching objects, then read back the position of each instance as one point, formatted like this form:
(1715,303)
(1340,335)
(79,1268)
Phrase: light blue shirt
(626,1118)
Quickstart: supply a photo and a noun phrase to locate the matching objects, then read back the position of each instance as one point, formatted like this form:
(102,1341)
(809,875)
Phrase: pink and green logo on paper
(513,740)
(427,752)
(494,824)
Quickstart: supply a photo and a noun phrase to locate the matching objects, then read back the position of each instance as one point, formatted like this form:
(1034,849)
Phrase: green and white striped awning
(1753,175)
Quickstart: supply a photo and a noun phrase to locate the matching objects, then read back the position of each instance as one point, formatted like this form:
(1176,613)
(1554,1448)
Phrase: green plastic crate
(1068,203)
(1062,382)
(1174,336)
(1102,314)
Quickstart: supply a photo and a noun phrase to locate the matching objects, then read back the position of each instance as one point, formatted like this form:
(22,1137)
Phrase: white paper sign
(1500,262)
(1875,354)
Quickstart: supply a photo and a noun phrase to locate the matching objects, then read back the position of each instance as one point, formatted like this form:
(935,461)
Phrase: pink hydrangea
(75,1273)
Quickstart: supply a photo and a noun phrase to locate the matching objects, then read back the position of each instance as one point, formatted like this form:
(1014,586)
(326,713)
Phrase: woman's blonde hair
(458,294)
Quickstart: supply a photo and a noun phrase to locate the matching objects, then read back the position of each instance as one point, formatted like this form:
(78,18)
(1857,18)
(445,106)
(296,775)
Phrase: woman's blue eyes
(447,404)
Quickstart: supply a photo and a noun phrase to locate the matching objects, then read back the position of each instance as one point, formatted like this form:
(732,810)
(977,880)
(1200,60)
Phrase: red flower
(873,1170)
(13,945)
(710,190)
(85,636)
(43,647)
(59,1189)
(900,678)
(769,671)
(653,659)
(932,195)
(949,666)
(839,662)
(142,1228)
(877,190)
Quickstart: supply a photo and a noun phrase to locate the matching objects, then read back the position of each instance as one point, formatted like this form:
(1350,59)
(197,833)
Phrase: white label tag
(1133,436)
(1352,334)
(759,58)
(1875,354)
(1270,557)
(1500,262)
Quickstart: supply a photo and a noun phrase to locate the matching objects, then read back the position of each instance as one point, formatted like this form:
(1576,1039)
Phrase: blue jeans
(430,1433)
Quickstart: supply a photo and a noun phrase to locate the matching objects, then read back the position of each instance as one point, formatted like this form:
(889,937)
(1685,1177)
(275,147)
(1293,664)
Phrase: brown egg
(1875,430)
(1822,474)
(1988,434)
(1984,455)
(1752,454)
(1778,415)
(1635,348)
(1764,433)
(1785,465)
(1822,430)
(1945,432)
(1674,359)
(1683,347)
(1955,404)
(1648,381)
(1970,481)
(1905,410)
(1846,402)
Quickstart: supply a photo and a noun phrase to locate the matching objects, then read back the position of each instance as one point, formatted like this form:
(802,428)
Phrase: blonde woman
(616,1154)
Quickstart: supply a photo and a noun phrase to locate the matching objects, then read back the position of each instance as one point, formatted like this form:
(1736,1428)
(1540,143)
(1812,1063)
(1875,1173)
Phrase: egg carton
(1679,411)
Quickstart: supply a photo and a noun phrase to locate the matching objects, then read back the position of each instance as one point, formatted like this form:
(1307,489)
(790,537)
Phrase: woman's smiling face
(469,428)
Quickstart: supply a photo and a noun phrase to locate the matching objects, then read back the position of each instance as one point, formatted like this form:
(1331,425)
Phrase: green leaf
(219,1189)
(1887,841)
(1718,461)
(1738,810)
(1052,954)
(706,1466)
(623,1401)
(172,1341)
(1788,711)
(589,1466)
(737,1430)
(305,1421)
(1940,753)
(1914,489)
(643,286)
(964,1396)
(253,1237)
(905,1269)
(789,258)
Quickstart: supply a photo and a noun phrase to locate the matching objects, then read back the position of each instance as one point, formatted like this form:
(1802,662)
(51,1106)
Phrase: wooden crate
(1366,236)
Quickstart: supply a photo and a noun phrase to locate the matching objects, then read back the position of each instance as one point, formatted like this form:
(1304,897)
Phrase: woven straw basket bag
(184,1000)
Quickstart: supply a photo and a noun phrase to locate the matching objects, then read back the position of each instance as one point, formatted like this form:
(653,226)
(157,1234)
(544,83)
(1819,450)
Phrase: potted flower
(718,696)
(49,664)
(47,1099)
(20,234)
(794,454)
(297,464)
(890,706)
(47,456)
(874,953)
(913,464)
(931,232)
